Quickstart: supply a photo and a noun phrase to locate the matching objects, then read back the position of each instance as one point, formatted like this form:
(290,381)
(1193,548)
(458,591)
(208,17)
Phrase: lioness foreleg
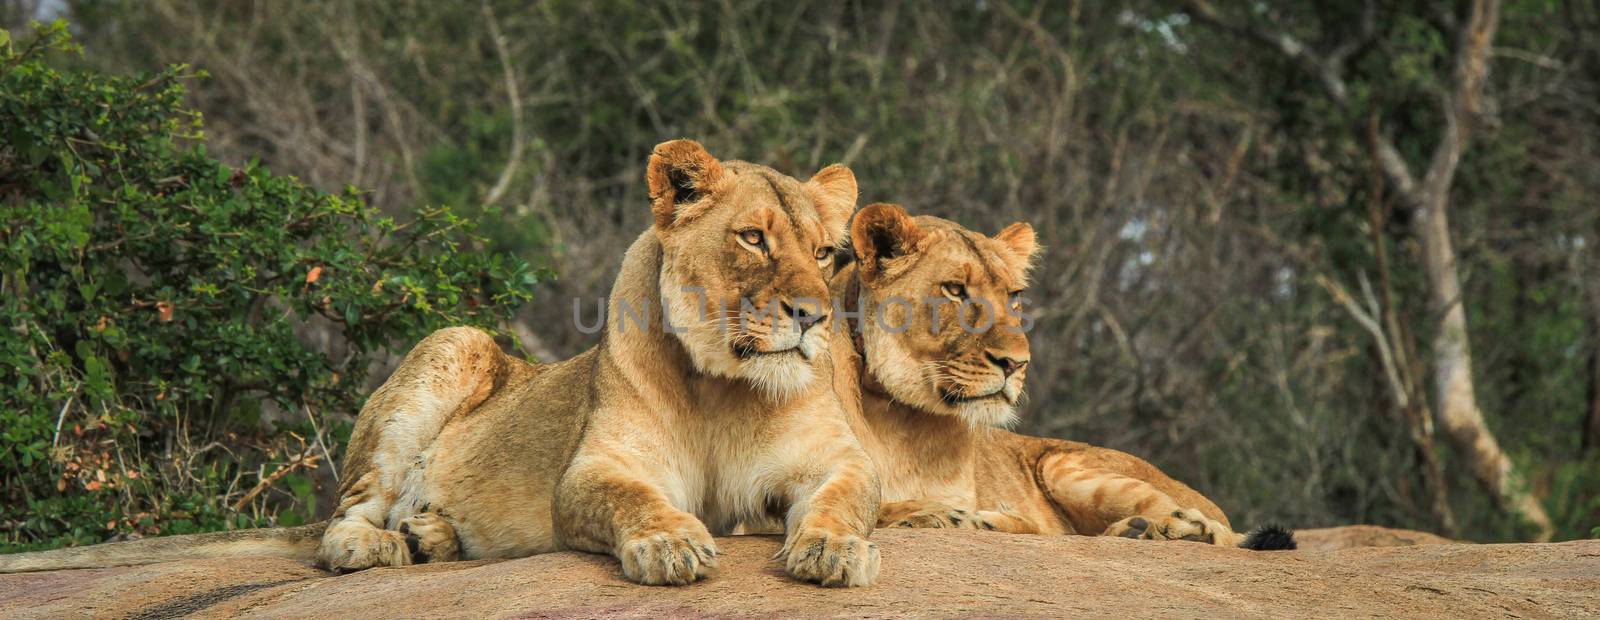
(826,534)
(603,507)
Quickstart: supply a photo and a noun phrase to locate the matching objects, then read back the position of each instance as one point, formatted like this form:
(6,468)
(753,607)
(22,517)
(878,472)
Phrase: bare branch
(514,161)
(1462,103)
(1394,167)
(1327,70)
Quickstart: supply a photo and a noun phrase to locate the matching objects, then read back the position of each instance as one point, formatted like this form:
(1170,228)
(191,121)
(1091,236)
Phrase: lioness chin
(937,375)
(671,429)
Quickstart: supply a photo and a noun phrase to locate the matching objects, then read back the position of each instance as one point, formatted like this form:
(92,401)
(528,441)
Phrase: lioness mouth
(955,399)
(746,351)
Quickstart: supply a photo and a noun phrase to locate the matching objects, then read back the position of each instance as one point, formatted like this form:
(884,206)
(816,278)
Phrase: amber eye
(1014,299)
(824,253)
(955,290)
(753,237)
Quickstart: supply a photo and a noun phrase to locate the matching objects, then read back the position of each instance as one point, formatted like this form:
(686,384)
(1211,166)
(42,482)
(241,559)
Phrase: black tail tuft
(1270,537)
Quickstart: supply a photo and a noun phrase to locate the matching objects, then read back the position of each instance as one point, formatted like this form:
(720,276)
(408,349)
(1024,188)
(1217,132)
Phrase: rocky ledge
(925,573)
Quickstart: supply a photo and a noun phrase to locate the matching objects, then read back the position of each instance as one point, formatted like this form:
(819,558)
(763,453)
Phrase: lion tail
(296,543)
(1270,537)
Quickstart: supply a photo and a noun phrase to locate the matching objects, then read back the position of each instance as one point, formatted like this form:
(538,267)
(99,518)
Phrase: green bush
(154,301)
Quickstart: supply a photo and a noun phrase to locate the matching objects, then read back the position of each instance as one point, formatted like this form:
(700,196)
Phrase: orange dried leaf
(316,272)
(165,309)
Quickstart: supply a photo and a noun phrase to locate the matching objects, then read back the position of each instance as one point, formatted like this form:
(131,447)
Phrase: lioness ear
(681,175)
(1020,240)
(834,190)
(881,232)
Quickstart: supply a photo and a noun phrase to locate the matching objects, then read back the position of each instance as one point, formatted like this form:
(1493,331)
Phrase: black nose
(1008,365)
(804,317)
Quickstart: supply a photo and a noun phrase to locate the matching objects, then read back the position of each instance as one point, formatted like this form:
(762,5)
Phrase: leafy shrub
(158,305)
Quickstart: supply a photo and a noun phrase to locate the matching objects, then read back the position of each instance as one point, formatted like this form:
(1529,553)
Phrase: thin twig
(317,430)
(304,460)
(60,417)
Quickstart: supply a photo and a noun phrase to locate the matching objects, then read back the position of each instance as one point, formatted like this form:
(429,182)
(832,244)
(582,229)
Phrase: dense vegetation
(158,380)
(1236,283)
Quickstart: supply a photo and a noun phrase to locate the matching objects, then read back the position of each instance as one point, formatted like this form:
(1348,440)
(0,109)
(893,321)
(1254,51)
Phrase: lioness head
(942,323)
(744,250)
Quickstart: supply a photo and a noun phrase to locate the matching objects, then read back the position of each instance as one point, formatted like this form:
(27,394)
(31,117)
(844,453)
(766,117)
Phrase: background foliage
(152,297)
(1190,188)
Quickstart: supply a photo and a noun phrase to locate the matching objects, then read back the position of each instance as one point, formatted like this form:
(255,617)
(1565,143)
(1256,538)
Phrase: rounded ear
(1021,241)
(833,189)
(680,176)
(881,232)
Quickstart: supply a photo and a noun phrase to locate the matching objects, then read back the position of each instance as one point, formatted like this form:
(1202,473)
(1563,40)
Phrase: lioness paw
(943,517)
(1186,524)
(430,538)
(678,556)
(349,547)
(831,560)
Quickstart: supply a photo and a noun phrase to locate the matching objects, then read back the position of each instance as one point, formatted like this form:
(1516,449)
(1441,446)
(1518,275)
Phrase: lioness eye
(955,290)
(824,253)
(1014,298)
(753,237)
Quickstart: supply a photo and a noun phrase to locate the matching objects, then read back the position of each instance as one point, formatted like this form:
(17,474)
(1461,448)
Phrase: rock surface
(1353,536)
(925,573)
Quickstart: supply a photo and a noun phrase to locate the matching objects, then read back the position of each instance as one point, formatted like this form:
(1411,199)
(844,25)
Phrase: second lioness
(941,357)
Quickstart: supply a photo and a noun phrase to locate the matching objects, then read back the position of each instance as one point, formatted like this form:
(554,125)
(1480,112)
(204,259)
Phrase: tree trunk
(1591,422)
(1456,399)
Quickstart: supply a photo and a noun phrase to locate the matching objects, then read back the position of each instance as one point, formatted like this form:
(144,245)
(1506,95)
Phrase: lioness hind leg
(351,545)
(355,540)
(430,538)
(447,374)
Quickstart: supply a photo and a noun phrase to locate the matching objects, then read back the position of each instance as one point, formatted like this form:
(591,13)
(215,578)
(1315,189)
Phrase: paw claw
(674,557)
(831,560)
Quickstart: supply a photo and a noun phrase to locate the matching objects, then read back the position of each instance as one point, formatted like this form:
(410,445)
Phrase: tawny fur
(941,462)
(649,443)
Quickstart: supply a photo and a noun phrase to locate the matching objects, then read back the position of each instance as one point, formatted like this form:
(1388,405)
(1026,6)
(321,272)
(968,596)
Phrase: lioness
(672,428)
(937,373)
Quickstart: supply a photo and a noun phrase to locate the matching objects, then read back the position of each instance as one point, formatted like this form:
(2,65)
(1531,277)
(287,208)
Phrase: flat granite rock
(924,573)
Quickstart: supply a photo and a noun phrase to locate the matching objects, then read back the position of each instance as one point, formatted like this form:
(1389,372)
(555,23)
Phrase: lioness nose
(1008,365)
(805,316)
